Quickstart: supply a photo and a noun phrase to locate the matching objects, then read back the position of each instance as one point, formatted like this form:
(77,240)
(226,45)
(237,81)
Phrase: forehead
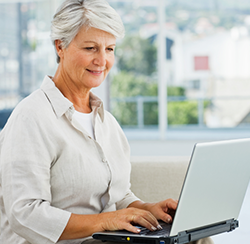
(95,35)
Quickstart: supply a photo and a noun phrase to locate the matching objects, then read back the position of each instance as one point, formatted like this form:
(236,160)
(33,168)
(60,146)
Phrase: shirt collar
(96,104)
(61,104)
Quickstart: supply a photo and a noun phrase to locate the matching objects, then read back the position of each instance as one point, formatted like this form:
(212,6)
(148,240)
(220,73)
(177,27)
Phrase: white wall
(229,57)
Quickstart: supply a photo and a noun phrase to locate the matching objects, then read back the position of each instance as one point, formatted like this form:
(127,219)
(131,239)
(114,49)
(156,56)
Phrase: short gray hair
(73,14)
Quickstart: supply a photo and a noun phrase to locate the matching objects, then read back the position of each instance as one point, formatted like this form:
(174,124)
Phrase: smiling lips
(95,72)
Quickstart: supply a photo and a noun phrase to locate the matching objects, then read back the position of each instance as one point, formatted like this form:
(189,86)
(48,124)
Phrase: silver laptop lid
(215,184)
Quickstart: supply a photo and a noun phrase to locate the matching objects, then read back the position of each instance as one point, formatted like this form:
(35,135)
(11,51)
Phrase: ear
(59,48)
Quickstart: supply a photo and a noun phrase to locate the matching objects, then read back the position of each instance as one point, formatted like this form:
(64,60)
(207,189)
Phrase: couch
(157,178)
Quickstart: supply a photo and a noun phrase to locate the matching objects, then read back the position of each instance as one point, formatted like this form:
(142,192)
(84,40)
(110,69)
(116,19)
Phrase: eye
(110,49)
(89,48)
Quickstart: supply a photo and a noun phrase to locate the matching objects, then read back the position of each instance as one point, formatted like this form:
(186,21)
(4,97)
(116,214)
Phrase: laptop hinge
(196,234)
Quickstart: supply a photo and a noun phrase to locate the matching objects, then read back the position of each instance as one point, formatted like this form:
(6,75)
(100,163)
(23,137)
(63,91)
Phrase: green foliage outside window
(137,78)
(137,55)
(127,84)
(125,113)
(182,113)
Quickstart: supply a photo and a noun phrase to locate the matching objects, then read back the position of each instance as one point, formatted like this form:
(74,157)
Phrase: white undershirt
(86,121)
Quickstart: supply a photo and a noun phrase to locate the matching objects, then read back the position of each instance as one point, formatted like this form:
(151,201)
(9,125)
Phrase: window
(206,61)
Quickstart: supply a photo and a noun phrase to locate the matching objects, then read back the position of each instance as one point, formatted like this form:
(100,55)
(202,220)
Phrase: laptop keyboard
(164,232)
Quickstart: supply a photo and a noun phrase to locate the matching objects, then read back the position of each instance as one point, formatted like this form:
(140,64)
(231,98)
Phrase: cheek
(77,58)
(81,60)
(111,62)
(78,64)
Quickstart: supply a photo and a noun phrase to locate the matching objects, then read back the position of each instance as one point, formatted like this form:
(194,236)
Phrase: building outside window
(201,63)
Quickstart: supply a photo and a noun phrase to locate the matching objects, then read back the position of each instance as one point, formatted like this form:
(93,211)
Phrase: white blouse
(50,167)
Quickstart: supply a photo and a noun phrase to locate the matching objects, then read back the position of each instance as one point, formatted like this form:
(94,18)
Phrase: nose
(100,58)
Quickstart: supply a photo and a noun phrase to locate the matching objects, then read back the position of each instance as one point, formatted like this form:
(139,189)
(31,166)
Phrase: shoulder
(34,107)
(34,102)
(113,126)
(110,119)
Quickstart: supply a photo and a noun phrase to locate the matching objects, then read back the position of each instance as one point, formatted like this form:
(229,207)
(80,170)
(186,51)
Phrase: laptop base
(194,235)
(181,238)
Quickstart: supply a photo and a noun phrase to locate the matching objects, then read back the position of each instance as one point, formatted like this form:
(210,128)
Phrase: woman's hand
(80,226)
(137,213)
(164,210)
(127,218)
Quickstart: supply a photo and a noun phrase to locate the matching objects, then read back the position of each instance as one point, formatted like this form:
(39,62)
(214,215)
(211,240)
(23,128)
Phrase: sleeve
(127,200)
(26,157)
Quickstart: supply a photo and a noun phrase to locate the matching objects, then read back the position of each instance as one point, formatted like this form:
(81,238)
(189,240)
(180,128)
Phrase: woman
(64,160)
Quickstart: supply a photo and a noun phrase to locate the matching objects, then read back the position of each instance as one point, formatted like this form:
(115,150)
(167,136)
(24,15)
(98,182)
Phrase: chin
(95,85)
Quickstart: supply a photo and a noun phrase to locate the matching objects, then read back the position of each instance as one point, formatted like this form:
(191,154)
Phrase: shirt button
(104,160)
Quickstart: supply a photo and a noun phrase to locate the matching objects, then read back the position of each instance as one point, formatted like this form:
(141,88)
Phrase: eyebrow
(97,43)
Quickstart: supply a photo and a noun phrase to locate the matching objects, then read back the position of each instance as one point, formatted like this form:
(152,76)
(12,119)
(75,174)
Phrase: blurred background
(182,72)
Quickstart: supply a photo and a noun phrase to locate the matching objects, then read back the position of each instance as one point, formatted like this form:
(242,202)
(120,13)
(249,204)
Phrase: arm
(80,226)
(25,180)
(138,212)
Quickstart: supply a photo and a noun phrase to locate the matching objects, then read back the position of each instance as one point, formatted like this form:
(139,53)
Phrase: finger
(132,228)
(168,213)
(167,218)
(174,204)
(170,204)
(147,220)
(153,221)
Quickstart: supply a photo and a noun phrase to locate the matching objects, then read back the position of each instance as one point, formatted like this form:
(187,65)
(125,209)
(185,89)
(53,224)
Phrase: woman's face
(88,58)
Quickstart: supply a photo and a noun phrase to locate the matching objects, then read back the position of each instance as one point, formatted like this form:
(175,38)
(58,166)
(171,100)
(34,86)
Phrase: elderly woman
(64,160)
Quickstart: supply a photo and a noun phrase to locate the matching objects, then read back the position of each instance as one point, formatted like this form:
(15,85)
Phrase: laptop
(211,197)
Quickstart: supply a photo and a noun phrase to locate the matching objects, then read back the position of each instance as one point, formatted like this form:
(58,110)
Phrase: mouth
(95,72)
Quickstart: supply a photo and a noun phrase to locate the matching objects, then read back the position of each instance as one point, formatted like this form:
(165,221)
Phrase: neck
(77,94)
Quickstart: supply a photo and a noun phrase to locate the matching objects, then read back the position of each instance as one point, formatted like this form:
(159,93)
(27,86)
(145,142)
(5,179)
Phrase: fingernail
(168,220)
(159,227)
(153,228)
(138,230)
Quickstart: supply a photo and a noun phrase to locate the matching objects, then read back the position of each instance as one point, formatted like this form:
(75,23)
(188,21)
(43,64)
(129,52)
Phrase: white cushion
(157,178)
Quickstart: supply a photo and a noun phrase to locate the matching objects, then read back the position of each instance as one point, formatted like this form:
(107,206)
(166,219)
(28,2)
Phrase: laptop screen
(215,184)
